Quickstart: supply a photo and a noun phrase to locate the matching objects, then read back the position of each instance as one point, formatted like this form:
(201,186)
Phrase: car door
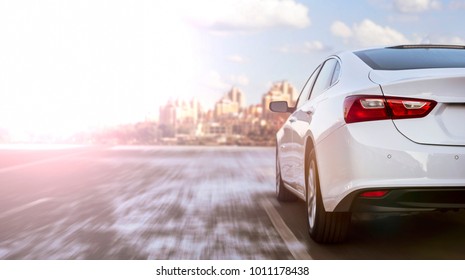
(284,142)
(326,78)
(290,175)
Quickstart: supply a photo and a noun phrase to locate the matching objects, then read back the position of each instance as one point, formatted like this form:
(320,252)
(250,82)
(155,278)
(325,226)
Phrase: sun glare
(90,71)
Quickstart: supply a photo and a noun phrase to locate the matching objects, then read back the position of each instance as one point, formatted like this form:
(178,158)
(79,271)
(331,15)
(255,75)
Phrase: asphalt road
(183,203)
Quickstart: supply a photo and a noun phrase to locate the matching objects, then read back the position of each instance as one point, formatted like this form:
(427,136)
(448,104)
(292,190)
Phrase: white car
(375,130)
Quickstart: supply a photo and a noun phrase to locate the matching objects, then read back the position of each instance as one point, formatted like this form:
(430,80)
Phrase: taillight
(410,108)
(360,108)
(374,194)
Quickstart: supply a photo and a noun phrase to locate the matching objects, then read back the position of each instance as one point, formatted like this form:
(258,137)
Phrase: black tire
(323,227)
(282,193)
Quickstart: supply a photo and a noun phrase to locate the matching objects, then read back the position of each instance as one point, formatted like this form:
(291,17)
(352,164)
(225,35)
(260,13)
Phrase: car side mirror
(280,107)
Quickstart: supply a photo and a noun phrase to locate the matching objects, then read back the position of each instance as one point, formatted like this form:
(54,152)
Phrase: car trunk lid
(445,125)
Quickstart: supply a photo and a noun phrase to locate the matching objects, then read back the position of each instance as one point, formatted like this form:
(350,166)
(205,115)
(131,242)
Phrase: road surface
(177,203)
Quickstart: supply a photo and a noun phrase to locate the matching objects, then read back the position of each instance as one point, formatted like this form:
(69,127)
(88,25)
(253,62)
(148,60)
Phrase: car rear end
(403,148)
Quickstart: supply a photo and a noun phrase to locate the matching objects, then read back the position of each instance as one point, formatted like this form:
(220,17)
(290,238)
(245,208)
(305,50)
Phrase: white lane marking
(21,166)
(297,249)
(24,207)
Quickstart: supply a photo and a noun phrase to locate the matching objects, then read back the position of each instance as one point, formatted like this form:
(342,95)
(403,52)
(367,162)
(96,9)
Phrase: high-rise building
(168,114)
(280,91)
(226,107)
(180,115)
(238,96)
(231,104)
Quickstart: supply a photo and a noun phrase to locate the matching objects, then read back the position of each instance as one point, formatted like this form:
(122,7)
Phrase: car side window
(325,78)
(305,93)
(337,71)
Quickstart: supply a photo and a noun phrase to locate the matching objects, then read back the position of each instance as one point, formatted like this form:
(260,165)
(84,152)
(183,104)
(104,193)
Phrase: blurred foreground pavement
(152,202)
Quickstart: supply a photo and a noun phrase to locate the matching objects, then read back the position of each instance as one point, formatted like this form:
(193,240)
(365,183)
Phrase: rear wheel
(323,227)
(282,193)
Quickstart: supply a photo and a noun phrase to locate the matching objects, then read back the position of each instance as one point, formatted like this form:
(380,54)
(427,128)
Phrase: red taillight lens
(409,108)
(360,108)
(373,194)
(364,108)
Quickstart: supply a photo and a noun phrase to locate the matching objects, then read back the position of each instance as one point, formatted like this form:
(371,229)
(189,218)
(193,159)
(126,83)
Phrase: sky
(69,65)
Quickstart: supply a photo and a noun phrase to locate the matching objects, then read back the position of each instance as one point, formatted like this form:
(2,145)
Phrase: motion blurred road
(183,203)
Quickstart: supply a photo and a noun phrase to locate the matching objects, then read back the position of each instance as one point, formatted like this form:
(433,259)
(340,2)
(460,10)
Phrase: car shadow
(427,235)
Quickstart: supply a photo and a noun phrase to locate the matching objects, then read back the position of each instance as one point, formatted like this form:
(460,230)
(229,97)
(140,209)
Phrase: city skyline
(230,121)
(278,91)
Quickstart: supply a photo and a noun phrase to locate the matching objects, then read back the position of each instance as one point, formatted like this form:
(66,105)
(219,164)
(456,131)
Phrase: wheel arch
(310,151)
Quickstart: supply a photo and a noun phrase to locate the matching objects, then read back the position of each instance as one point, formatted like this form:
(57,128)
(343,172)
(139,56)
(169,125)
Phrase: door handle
(310,111)
(292,120)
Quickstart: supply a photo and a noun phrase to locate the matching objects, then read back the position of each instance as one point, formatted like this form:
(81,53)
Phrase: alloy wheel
(311,195)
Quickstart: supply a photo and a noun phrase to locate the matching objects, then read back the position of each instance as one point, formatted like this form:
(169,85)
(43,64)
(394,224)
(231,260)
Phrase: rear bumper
(375,156)
(406,199)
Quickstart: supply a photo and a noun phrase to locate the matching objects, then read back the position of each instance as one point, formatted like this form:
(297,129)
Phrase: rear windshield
(415,58)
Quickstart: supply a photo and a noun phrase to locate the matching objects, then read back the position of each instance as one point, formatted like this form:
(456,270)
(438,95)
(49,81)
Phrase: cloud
(340,29)
(457,5)
(306,47)
(416,6)
(313,46)
(368,33)
(246,15)
(236,58)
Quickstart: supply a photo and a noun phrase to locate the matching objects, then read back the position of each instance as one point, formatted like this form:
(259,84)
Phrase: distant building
(254,110)
(226,107)
(168,114)
(231,104)
(215,128)
(235,95)
(281,91)
(180,116)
